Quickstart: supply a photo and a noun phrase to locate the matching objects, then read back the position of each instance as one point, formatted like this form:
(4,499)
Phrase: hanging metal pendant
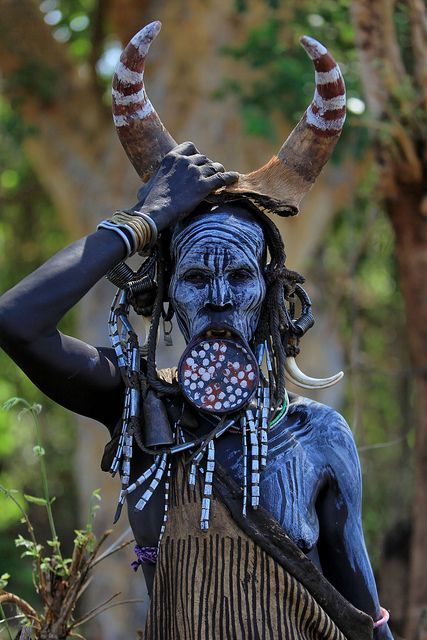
(207,488)
(157,429)
(218,375)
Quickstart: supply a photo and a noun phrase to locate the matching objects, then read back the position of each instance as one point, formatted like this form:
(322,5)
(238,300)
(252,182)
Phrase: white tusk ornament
(297,377)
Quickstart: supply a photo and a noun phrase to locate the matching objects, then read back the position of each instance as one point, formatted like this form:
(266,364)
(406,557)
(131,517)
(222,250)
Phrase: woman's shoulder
(333,442)
(327,426)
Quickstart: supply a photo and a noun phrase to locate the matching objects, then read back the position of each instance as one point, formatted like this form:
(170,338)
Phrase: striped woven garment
(219,584)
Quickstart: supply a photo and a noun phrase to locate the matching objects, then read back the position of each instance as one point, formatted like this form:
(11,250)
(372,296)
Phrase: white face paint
(218,279)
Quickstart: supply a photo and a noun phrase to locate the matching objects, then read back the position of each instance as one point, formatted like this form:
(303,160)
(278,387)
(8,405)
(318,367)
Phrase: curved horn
(139,128)
(297,377)
(280,185)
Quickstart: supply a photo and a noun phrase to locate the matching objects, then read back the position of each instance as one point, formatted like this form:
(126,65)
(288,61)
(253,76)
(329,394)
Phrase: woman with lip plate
(245,501)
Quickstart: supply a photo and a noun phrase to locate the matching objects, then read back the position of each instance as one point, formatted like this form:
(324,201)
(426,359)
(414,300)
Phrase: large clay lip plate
(236,381)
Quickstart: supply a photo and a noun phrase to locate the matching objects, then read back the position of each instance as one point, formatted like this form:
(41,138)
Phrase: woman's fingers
(221,179)
(194,157)
(185,149)
(202,161)
(218,167)
(199,159)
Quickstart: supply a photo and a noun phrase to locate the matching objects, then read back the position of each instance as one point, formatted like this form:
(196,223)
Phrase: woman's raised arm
(74,374)
(79,376)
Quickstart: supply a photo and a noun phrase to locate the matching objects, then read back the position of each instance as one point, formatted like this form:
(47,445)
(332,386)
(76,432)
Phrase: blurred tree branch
(418,18)
(379,52)
(97,33)
(128,16)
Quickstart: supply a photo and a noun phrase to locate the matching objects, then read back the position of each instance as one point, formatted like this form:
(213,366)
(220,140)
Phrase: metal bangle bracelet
(106,224)
(153,227)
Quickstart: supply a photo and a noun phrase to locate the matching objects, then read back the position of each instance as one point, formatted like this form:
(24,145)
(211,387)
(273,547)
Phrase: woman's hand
(185,177)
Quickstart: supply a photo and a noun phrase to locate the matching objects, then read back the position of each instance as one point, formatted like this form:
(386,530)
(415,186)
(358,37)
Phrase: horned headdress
(277,187)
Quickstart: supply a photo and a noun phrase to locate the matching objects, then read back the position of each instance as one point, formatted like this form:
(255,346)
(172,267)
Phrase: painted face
(217,285)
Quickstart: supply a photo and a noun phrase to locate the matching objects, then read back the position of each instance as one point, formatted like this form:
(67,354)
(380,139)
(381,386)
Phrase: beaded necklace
(253,422)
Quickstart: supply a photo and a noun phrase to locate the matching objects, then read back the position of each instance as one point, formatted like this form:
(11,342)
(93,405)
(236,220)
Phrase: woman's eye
(239,275)
(196,277)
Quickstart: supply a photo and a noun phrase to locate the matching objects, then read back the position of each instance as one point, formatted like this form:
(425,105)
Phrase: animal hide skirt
(242,579)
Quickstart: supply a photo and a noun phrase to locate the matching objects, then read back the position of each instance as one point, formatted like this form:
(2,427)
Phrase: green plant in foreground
(58,581)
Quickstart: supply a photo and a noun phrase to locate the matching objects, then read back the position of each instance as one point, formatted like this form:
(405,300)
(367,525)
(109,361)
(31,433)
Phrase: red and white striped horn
(280,185)
(141,132)
(326,114)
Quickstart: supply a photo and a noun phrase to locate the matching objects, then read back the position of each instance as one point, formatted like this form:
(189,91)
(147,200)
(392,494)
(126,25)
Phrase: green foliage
(4,580)
(80,25)
(70,21)
(59,565)
(83,536)
(282,80)
(30,232)
(403,29)
(58,581)
(42,502)
(32,549)
(35,79)
(12,127)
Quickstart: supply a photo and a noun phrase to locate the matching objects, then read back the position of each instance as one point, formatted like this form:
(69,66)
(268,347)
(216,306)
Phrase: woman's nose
(212,306)
(219,298)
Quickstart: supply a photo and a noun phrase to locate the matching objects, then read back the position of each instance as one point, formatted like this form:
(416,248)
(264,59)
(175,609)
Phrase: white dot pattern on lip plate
(218,375)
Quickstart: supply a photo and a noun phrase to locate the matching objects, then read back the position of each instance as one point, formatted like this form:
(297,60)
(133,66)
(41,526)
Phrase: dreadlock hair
(163,271)
(274,327)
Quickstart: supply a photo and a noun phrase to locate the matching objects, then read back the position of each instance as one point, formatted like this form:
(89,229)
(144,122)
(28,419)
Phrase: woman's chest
(289,484)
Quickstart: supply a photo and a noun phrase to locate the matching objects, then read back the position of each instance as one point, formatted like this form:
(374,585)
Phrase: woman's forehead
(222,231)
(212,250)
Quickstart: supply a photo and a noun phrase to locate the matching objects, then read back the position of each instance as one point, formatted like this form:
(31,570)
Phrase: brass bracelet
(142,231)
(139,226)
(149,220)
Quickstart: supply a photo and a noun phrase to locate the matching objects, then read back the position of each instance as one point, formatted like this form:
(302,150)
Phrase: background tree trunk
(400,116)
(410,225)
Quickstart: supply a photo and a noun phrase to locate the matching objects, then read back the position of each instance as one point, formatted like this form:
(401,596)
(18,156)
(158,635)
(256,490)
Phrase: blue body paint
(312,482)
